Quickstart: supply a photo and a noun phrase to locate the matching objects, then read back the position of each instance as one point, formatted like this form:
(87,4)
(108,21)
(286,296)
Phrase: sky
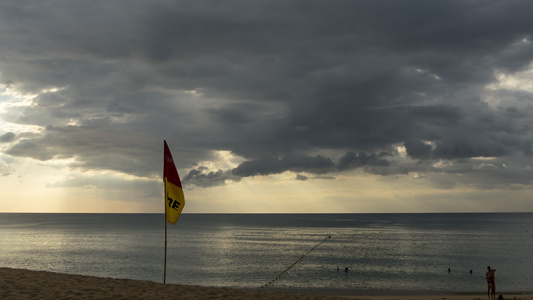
(267,106)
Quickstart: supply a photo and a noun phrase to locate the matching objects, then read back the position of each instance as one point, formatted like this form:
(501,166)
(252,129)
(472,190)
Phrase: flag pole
(165,207)
(174,200)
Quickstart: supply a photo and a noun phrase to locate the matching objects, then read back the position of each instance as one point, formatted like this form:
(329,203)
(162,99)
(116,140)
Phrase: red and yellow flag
(174,199)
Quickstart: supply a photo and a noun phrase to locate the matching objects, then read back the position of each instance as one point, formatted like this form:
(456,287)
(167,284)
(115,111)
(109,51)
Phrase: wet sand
(25,284)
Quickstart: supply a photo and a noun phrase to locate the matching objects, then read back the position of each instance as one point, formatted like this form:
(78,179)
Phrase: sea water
(384,253)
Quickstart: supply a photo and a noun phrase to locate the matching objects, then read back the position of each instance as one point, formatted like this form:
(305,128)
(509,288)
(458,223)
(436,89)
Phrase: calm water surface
(385,253)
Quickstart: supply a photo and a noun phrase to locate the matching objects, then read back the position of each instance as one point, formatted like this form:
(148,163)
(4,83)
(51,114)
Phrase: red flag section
(174,198)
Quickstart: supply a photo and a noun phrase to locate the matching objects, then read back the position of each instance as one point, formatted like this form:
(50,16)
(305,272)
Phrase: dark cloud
(30,149)
(281,84)
(202,177)
(470,147)
(272,165)
(301,177)
(352,160)
(7,137)
(417,149)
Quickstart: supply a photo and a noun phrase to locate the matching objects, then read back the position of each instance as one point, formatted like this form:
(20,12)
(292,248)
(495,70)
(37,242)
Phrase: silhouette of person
(491,283)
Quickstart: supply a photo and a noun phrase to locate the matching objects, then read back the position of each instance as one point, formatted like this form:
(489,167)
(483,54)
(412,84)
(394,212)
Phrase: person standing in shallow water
(491,282)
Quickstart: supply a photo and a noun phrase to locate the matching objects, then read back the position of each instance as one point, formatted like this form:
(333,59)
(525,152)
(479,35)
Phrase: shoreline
(402,294)
(26,284)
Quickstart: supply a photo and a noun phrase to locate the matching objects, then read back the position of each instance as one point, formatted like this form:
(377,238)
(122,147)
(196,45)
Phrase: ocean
(384,253)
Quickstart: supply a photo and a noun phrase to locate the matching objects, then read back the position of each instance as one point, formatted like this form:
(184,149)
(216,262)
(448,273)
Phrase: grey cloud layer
(278,83)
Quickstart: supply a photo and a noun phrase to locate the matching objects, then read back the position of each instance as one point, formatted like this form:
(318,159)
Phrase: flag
(174,199)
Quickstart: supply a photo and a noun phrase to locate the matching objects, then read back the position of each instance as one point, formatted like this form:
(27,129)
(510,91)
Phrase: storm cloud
(311,87)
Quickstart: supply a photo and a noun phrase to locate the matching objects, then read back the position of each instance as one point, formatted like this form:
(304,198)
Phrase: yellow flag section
(174,199)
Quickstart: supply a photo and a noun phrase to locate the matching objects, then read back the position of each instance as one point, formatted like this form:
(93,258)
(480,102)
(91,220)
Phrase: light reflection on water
(383,252)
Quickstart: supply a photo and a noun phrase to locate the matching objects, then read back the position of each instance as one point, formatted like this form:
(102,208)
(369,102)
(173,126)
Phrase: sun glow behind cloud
(53,186)
(13,102)
(520,81)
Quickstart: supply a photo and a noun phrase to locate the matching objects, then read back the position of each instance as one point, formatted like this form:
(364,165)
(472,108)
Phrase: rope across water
(294,263)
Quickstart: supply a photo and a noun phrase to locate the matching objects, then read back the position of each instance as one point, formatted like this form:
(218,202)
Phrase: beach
(26,284)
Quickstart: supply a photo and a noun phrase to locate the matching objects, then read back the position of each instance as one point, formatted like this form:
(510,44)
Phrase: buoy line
(293,264)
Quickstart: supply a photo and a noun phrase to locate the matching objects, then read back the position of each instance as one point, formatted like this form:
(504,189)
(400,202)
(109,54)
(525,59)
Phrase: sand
(25,284)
